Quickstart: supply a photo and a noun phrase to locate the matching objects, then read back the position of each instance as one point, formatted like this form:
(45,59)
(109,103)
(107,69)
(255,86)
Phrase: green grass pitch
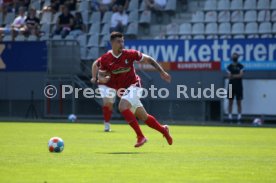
(199,154)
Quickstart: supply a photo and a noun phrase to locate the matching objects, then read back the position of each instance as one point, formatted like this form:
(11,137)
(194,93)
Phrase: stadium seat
(171,37)
(253,36)
(143,6)
(266,36)
(264,16)
(237,16)
(69,37)
(105,29)
(9,18)
(225,36)
(133,5)
(198,28)
(274,28)
(132,29)
(265,28)
(20,38)
(107,17)
(211,36)
(171,5)
(44,37)
(7,38)
(84,6)
(251,28)
(95,17)
(236,5)
(224,29)
(211,29)
(133,16)
(240,36)
(57,37)
(250,5)
(32,38)
(198,17)
(47,3)
(172,29)
(83,52)
(185,37)
(273,16)
(46,28)
(104,41)
(145,17)
(211,16)
(263,4)
(93,41)
(1,18)
(223,5)
(93,53)
(273,5)
(46,18)
(85,17)
(224,16)
(250,16)
(94,28)
(185,29)
(55,18)
(82,39)
(238,28)
(210,5)
(199,36)
(36,5)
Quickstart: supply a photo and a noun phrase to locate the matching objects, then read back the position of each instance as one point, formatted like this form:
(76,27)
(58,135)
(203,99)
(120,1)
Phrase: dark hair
(114,35)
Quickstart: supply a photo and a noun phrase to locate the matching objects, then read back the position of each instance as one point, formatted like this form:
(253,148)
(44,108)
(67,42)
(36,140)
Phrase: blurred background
(56,41)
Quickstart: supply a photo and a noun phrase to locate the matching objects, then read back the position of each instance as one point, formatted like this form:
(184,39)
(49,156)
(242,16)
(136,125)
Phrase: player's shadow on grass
(121,153)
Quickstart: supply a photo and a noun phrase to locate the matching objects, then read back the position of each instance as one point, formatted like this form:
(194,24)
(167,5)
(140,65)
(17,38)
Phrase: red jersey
(121,68)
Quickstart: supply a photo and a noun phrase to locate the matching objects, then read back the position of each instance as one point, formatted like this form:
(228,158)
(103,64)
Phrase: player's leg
(239,102)
(108,95)
(150,120)
(230,109)
(107,113)
(230,96)
(125,105)
(239,105)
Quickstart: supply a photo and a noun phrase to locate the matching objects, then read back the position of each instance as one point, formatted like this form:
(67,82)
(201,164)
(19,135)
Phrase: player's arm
(94,71)
(163,74)
(103,76)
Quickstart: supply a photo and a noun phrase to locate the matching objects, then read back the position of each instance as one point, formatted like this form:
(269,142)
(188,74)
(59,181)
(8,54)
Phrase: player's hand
(93,80)
(166,76)
(104,79)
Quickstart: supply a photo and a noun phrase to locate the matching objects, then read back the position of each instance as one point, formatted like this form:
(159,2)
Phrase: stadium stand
(182,19)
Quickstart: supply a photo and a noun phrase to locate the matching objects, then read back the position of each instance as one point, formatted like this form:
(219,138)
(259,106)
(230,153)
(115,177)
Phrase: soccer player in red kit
(116,68)
(108,100)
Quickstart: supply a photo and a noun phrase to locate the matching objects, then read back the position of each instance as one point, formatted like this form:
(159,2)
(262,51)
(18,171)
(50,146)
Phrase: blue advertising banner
(255,54)
(23,56)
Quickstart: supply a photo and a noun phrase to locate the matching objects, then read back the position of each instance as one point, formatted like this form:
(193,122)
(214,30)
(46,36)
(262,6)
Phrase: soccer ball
(72,117)
(56,144)
(257,122)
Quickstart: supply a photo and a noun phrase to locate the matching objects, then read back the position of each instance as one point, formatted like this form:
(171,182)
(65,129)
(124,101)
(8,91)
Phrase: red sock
(107,114)
(132,121)
(153,123)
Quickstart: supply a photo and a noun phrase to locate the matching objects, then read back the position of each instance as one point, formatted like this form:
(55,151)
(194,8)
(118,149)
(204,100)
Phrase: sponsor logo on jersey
(121,70)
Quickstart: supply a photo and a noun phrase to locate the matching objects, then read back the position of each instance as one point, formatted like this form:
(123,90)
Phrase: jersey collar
(116,56)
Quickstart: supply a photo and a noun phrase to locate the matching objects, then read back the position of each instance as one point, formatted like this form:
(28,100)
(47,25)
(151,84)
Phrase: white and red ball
(72,118)
(257,122)
(56,145)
